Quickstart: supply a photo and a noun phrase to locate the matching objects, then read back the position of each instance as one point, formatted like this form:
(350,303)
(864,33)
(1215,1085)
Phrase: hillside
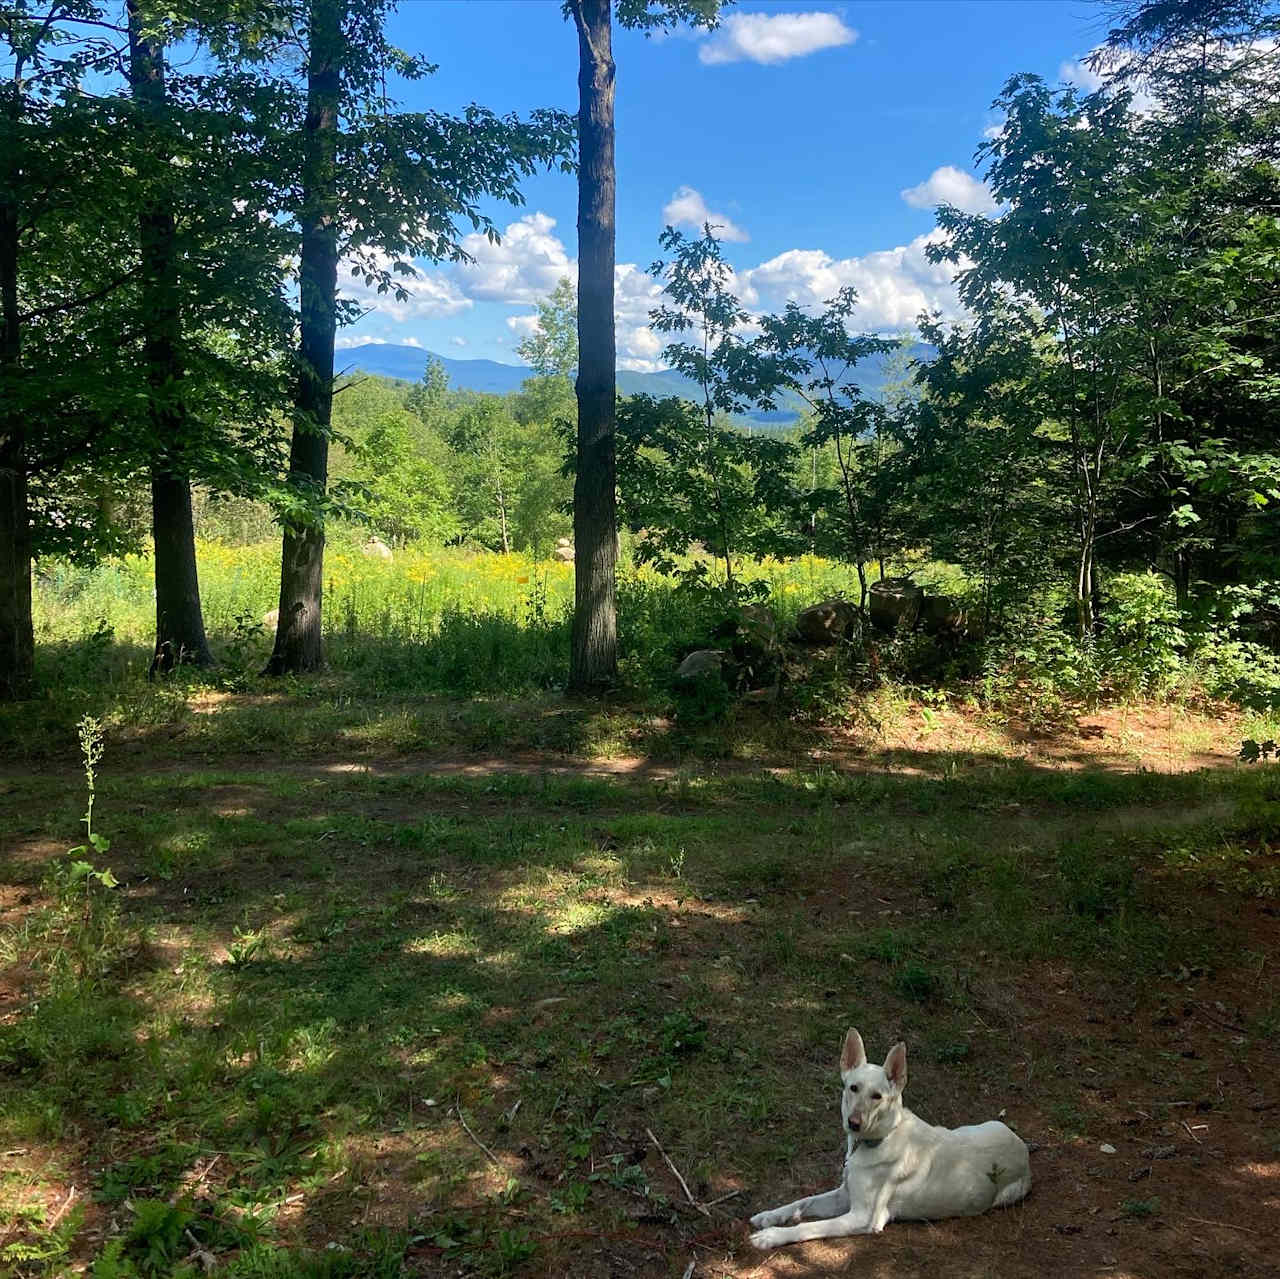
(409,363)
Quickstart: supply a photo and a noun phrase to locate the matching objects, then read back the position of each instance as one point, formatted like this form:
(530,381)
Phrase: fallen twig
(57,1216)
(1191,1134)
(1219,1021)
(683,1184)
(493,1159)
(733,1194)
(202,1255)
(688,1270)
(1226,1225)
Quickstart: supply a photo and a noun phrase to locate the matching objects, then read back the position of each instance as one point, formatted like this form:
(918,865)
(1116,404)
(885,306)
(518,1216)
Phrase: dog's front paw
(766,1239)
(767,1218)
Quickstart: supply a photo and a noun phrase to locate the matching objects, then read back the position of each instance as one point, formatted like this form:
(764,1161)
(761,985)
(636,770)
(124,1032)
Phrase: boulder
(271,620)
(376,549)
(758,627)
(828,623)
(700,663)
(563,553)
(941,615)
(894,604)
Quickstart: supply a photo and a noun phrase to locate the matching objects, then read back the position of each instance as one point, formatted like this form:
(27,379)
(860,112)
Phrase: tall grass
(433,619)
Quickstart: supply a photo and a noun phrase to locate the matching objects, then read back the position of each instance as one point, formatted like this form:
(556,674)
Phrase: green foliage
(859,516)
(1138,1209)
(399,470)
(1144,639)
(687,478)
(551,350)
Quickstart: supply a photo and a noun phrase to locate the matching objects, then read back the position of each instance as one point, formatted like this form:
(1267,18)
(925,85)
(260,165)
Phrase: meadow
(387,972)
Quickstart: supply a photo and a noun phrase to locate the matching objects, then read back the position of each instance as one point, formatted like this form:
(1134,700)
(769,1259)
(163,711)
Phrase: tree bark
(180,635)
(594,656)
(298,645)
(17,639)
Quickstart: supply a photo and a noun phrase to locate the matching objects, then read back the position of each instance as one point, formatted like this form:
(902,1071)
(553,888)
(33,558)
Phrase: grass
(394,980)
(404,640)
(308,978)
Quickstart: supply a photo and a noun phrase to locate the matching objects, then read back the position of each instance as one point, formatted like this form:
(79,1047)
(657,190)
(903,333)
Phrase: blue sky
(819,136)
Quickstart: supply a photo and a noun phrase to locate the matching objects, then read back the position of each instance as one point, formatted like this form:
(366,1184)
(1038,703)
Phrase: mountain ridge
(408,363)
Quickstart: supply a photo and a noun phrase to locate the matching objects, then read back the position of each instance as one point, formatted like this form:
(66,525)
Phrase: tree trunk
(17,640)
(1182,577)
(502,517)
(17,637)
(180,633)
(594,656)
(298,645)
(1084,586)
(179,622)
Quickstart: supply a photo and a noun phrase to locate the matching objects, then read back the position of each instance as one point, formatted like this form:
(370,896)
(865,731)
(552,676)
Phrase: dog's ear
(895,1066)
(853,1054)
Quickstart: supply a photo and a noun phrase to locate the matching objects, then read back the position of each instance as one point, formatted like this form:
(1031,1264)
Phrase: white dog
(899,1168)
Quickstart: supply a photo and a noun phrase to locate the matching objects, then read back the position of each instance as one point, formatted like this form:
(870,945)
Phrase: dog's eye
(853,1087)
(875,1096)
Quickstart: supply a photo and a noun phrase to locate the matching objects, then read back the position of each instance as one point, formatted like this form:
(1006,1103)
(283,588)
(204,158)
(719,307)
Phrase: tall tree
(50,144)
(17,640)
(379,188)
(180,633)
(298,632)
(593,659)
(1070,170)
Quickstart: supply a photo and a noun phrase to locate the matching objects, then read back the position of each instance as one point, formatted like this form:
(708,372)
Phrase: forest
(455,778)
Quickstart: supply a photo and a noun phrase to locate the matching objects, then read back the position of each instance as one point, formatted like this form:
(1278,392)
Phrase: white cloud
(687,208)
(894,285)
(523,267)
(456,341)
(528,265)
(774,37)
(635,294)
(949,185)
(430,294)
(1085,78)
(348,340)
(1082,76)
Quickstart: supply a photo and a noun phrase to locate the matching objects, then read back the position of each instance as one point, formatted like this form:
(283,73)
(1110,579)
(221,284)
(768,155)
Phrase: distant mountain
(408,363)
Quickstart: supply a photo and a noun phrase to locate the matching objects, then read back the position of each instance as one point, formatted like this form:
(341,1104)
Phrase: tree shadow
(623,952)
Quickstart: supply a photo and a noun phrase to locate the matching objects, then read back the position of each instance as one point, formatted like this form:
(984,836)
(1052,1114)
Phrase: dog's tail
(1014,1191)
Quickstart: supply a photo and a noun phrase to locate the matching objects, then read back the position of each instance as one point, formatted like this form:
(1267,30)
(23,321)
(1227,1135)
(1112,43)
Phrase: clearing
(374,1008)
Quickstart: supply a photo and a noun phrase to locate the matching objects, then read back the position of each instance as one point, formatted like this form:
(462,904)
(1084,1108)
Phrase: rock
(827,623)
(700,663)
(271,620)
(1107,1148)
(941,615)
(376,550)
(757,626)
(895,604)
(563,553)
